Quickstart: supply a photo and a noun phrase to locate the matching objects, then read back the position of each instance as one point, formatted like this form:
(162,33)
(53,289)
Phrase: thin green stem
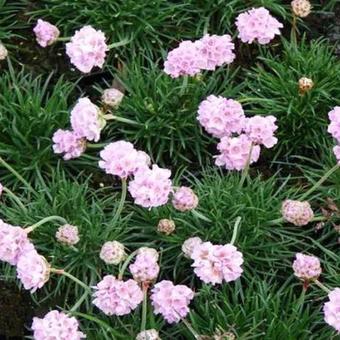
(111,116)
(80,301)
(15,198)
(294,29)
(281,220)
(246,168)
(96,320)
(96,146)
(235,231)
(121,202)
(320,181)
(200,216)
(191,329)
(70,276)
(64,39)
(125,264)
(184,85)
(322,286)
(119,43)
(144,307)
(45,220)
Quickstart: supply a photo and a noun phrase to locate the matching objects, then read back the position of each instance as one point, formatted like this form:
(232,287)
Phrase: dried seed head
(166,226)
(301,8)
(305,85)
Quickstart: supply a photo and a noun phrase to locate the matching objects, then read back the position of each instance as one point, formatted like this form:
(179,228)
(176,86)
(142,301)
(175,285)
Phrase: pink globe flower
(86,120)
(296,212)
(56,325)
(336,151)
(150,252)
(184,199)
(260,130)
(184,60)
(112,97)
(145,268)
(112,252)
(67,234)
(87,49)
(1,189)
(216,50)
(46,33)
(306,267)
(221,116)
(149,334)
(151,187)
(13,243)
(171,301)
(257,25)
(122,159)
(334,126)
(215,263)
(68,143)
(235,152)
(32,270)
(331,309)
(189,245)
(117,297)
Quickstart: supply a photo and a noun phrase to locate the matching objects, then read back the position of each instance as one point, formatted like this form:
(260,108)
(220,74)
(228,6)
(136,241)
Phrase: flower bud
(149,334)
(67,234)
(296,212)
(166,226)
(184,199)
(3,52)
(301,8)
(112,252)
(305,85)
(112,97)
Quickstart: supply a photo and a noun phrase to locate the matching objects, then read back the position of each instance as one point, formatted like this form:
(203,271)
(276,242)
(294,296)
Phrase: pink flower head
(296,212)
(235,152)
(184,60)
(112,252)
(145,268)
(68,143)
(112,97)
(32,270)
(216,50)
(148,334)
(189,245)
(260,130)
(221,116)
(56,325)
(184,199)
(1,189)
(67,234)
(151,187)
(87,49)
(13,243)
(215,263)
(117,297)
(86,120)
(331,309)
(122,159)
(171,301)
(257,24)
(336,151)
(334,126)
(306,267)
(45,33)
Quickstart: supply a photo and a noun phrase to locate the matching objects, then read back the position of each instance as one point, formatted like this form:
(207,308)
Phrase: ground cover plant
(169,169)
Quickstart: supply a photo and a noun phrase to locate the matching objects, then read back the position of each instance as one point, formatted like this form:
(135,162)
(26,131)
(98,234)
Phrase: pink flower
(148,334)
(67,234)
(13,243)
(45,33)
(184,199)
(171,301)
(86,120)
(145,268)
(112,252)
(150,252)
(184,60)
(260,130)
(151,187)
(221,116)
(331,309)
(32,270)
(122,159)
(296,212)
(117,297)
(235,152)
(306,267)
(336,151)
(87,49)
(334,126)
(216,50)
(215,263)
(112,97)
(68,143)
(257,24)
(56,325)
(189,245)
(1,189)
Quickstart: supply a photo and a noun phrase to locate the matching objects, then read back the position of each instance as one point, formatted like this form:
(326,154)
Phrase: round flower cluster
(334,129)
(189,245)
(221,116)
(257,25)
(46,33)
(301,8)
(112,252)
(56,325)
(306,267)
(117,297)
(149,334)
(112,97)
(166,226)
(122,159)
(331,309)
(13,243)
(207,53)
(215,263)
(305,85)
(68,143)
(296,212)
(87,49)
(235,152)
(171,301)
(145,268)
(184,199)
(3,52)
(67,234)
